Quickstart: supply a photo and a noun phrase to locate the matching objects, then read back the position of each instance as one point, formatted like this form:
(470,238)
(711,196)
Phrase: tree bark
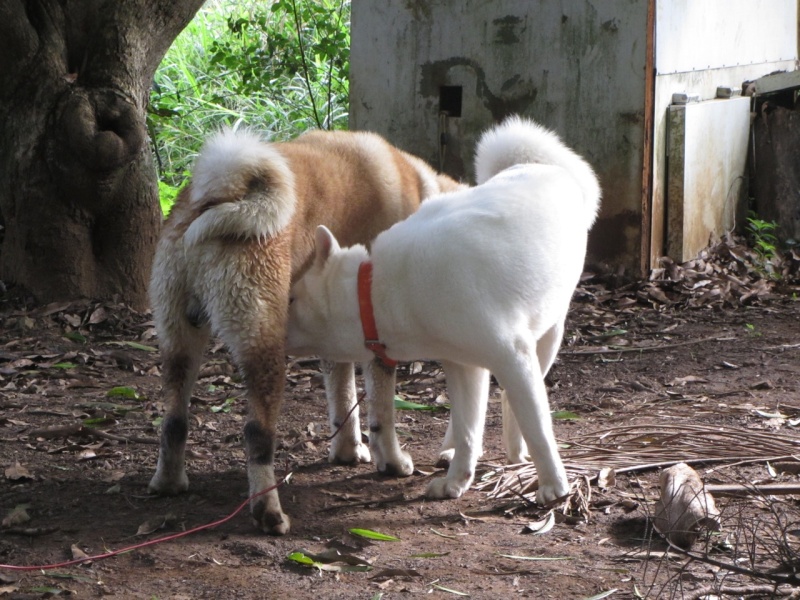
(78,191)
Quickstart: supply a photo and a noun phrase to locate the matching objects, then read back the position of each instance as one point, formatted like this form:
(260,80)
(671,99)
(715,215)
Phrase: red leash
(160,540)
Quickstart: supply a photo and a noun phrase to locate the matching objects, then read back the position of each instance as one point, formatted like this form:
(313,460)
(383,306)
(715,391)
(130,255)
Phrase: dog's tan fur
(236,239)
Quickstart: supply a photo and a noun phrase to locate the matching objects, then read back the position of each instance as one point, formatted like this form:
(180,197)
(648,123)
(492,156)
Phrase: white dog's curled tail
(522,141)
(243,188)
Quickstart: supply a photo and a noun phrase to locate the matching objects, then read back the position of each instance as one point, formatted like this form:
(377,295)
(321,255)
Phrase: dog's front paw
(389,458)
(517,458)
(163,485)
(399,465)
(445,458)
(349,454)
(442,488)
(550,492)
(269,519)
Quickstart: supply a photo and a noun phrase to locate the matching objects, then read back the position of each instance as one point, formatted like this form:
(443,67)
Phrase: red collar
(371,340)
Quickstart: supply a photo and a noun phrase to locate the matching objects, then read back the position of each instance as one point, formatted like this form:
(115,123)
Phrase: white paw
(517,458)
(551,491)
(395,464)
(349,454)
(168,486)
(445,458)
(442,488)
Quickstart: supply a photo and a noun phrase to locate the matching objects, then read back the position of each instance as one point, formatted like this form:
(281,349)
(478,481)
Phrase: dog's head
(323,309)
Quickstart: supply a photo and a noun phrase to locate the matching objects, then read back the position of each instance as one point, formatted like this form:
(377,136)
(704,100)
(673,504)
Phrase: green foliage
(763,237)
(225,407)
(166,195)
(280,67)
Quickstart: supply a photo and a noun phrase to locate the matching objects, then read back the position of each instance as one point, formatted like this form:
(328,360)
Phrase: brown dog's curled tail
(242,187)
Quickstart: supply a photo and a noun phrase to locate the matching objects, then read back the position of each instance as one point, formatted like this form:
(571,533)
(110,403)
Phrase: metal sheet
(706,162)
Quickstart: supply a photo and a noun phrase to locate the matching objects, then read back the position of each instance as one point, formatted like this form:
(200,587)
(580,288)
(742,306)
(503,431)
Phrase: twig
(376,502)
(773,489)
(29,531)
(645,348)
(83,431)
(746,590)
(306,76)
(777,578)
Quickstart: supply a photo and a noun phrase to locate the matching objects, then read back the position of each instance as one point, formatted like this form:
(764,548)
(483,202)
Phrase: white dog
(479,279)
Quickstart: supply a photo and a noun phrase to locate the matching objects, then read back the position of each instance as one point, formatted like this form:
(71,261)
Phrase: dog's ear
(326,244)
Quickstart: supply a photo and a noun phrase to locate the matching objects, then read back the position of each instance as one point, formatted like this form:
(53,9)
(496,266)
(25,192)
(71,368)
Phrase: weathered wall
(577,67)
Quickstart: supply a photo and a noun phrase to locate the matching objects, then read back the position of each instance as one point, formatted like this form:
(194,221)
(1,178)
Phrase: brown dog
(237,238)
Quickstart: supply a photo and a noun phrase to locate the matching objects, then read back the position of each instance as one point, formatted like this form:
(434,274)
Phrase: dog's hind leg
(546,350)
(248,307)
(468,388)
(179,373)
(448,447)
(520,373)
(264,368)
(379,381)
(340,390)
(183,334)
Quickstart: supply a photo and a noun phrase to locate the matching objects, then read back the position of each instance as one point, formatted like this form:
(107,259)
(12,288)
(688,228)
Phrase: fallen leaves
(17,472)
(17,516)
(330,560)
(373,535)
(157,523)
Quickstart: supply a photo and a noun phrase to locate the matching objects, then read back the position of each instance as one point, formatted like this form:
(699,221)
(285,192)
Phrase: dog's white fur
(480,279)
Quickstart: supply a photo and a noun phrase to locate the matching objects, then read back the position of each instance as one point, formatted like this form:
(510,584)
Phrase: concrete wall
(601,73)
(578,67)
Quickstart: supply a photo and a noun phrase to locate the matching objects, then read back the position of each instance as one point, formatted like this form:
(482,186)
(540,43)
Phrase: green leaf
(225,407)
(401,404)
(301,558)
(448,590)
(74,336)
(565,415)
(123,392)
(166,195)
(64,365)
(98,422)
(373,535)
(49,590)
(323,562)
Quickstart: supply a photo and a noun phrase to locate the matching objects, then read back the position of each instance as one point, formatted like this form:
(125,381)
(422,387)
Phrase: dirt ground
(640,384)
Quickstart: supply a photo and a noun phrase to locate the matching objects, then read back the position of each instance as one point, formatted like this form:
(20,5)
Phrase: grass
(240,63)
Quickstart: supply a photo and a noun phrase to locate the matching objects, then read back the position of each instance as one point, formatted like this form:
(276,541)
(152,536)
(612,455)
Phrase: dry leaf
(156,523)
(17,472)
(680,381)
(542,526)
(606,478)
(78,554)
(98,316)
(17,516)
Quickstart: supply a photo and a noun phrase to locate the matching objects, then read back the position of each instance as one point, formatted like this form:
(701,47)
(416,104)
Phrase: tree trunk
(78,191)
